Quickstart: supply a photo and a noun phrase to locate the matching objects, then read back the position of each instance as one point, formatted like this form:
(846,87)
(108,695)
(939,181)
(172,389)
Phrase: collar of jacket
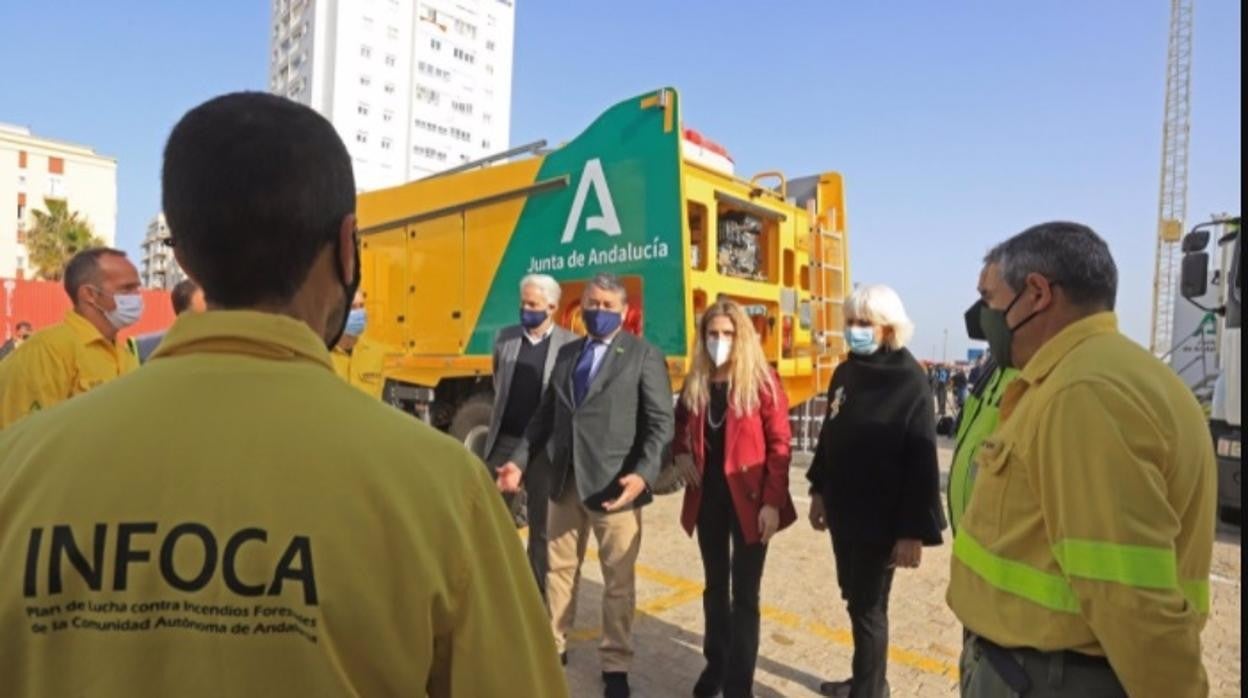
(83,329)
(883,358)
(248,333)
(1054,350)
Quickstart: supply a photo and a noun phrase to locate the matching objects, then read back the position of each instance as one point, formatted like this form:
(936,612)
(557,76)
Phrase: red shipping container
(44,303)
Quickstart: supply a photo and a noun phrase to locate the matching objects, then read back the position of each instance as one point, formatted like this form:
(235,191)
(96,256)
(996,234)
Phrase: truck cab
(1224,412)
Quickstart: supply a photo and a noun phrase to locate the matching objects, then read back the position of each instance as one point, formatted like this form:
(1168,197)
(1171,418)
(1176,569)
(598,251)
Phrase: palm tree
(56,236)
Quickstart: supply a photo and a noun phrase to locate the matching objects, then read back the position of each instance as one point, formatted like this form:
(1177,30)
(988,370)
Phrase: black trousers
(535,495)
(734,573)
(866,579)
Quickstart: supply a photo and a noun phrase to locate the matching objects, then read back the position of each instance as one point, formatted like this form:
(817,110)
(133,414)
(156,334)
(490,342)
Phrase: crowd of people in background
(1081,495)
(951,383)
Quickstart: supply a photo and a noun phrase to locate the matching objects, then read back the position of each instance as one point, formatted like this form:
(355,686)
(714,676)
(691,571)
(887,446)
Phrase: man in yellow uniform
(82,352)
(235,520)
(1081,567)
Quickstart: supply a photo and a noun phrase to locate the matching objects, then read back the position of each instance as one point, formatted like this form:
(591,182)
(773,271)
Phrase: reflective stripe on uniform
(979,420)
(1132,565)
(1049,590)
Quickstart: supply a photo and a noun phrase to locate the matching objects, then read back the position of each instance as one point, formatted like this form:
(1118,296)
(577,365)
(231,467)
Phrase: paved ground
(805,631)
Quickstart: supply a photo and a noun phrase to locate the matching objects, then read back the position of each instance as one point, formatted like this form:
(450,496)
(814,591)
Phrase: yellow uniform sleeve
(499,641)
(33,378)
(1101,476)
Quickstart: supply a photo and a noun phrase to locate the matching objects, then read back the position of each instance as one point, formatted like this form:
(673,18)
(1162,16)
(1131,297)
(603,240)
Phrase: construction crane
(1172,207)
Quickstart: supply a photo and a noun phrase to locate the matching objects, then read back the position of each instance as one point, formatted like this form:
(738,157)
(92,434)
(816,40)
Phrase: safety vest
(978,421)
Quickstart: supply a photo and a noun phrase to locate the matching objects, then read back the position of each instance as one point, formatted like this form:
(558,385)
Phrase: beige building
(33,169)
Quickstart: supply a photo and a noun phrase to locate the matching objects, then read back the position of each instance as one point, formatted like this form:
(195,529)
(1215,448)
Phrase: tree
(57,235)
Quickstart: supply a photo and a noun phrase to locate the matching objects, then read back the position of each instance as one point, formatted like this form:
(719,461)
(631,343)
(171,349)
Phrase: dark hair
(608,282)
(24,324)
(83,269)
(1067,254)
(182,294)
(254,187)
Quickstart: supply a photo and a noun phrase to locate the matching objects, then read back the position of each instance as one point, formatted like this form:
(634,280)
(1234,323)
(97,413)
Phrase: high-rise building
(159,269)
(33,169)
(412,86)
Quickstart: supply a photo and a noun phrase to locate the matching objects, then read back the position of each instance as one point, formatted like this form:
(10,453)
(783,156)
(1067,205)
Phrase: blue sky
(955,124)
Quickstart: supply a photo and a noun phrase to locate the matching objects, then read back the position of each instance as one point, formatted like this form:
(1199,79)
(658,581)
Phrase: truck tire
(471,423)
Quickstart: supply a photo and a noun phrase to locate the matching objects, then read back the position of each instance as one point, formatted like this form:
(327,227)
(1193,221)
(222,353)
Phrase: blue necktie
(584,372)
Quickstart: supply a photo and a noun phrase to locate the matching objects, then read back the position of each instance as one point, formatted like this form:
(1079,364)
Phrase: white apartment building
(412,86)
(158,268)
(33,169)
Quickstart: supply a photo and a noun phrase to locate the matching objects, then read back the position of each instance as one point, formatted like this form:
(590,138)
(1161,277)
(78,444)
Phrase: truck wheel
(471,423)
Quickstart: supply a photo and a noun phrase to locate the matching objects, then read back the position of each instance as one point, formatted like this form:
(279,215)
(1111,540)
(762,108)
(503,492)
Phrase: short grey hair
(1070,255)
(544,283)
(880,305)
(608,282)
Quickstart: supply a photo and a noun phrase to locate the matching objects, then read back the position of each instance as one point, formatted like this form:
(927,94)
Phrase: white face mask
(720,350)
(128,311)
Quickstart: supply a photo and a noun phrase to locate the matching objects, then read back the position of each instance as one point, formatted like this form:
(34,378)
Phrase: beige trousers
(619,541)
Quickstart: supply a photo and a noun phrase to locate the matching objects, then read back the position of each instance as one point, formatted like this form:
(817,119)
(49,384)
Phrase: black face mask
(990,324)
(974,328)
(349,287)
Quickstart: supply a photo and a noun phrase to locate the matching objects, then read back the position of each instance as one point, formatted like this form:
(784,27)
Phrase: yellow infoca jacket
(1091,523)
(234,519)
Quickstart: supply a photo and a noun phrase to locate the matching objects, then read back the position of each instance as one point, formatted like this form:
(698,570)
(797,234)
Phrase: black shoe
(708,686)
(840,689)
(615,684)
(563,658)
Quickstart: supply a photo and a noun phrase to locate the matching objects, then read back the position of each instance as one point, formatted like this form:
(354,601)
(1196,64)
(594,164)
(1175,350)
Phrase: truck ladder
(826,303)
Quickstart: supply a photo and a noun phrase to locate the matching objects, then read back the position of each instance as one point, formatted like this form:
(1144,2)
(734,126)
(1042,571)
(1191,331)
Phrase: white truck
(1224,417)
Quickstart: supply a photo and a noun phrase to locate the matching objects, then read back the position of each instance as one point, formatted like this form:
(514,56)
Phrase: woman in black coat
(875,480)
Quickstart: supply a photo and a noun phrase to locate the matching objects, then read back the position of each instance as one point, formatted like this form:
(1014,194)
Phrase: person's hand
(633,487)
(688,471)
(768,522)
(908,552)
(509,476)
(818,516)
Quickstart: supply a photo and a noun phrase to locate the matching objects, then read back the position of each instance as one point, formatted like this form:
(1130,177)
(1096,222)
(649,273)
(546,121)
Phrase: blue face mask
(862,340)
(355,322)
(531,319)
(600,323)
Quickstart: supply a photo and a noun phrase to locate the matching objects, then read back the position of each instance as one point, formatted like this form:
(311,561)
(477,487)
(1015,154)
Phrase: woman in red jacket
(732,444)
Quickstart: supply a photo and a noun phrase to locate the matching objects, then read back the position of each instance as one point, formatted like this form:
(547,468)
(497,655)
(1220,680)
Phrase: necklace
(710,417)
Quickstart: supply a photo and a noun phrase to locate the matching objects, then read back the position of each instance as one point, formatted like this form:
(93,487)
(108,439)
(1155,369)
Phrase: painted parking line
(687,591)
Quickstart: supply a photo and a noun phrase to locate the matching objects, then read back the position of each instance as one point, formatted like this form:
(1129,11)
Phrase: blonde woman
(732,442)
(874,479)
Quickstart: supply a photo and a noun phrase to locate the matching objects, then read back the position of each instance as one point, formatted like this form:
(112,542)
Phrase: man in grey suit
(524,356)
(604,420)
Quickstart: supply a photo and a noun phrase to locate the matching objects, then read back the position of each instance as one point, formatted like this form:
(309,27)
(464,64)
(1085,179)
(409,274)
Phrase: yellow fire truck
(637,195)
